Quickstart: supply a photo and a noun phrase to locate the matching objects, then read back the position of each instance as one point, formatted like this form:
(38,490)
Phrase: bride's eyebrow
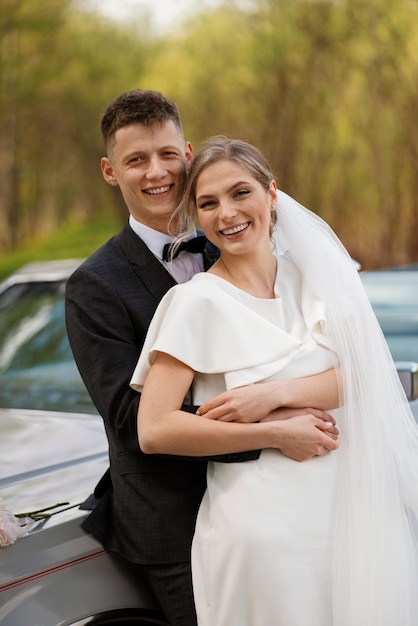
(246,183)
(229,190)
(239,183)
(208,196)
(204,198)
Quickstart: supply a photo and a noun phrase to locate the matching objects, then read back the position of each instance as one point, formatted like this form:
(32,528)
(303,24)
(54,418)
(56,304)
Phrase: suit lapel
(147,267)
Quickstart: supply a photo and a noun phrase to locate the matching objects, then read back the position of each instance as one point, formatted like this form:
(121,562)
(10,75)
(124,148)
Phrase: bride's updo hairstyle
(213,151)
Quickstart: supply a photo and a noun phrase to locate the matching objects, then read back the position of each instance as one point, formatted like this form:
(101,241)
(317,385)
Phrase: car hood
(49,457)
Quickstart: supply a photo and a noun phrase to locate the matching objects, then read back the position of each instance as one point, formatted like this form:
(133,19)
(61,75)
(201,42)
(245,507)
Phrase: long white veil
(376,551)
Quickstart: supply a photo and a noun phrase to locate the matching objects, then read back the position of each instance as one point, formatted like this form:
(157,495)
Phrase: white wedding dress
(262,551)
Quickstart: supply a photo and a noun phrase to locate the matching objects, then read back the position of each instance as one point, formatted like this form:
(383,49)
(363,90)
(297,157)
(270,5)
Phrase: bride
(331,540)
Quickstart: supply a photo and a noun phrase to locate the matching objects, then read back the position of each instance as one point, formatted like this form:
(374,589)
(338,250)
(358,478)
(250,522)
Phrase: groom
(147,504)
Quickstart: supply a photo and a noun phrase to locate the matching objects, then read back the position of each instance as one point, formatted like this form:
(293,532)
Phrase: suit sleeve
(105,347)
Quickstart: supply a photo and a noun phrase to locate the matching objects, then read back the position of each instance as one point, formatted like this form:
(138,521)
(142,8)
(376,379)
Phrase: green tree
(327,90)
(59,69)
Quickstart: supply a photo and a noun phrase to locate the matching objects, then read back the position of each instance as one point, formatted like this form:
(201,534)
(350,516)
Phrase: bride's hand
(254,402)
(243,404)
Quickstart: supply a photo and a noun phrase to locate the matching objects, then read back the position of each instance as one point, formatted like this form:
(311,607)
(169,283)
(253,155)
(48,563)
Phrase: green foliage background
(327,89)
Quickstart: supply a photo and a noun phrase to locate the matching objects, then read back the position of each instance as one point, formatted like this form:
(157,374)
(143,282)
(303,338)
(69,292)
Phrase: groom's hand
(284,413)
(313,433)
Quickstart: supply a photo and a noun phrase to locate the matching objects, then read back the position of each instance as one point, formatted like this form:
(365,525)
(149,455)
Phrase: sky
(165,13)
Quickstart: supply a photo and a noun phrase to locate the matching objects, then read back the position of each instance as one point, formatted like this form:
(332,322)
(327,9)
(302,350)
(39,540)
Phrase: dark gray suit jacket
(147,503)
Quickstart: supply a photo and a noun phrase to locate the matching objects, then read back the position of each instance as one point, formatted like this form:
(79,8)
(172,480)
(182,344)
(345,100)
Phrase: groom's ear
(108,172)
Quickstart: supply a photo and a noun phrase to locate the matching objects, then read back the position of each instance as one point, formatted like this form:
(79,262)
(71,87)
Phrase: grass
(75,241)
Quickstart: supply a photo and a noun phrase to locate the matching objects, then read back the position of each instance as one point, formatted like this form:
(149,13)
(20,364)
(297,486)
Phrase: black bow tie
(197,244)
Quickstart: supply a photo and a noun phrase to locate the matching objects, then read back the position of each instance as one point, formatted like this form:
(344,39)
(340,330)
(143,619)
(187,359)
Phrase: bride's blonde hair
(214,150)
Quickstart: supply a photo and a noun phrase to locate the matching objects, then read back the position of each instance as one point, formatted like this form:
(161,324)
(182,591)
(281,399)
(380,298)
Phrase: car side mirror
(408,373)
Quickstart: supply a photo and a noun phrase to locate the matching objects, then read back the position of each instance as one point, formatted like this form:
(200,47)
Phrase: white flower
(9,527)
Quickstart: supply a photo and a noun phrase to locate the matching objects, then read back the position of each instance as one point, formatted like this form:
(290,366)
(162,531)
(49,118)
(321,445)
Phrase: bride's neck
(255,276)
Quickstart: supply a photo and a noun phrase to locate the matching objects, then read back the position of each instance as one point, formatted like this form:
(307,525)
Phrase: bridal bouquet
(10,530)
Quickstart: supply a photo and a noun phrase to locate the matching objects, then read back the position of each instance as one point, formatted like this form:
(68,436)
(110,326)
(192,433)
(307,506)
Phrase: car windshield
(37,370)
(394,297)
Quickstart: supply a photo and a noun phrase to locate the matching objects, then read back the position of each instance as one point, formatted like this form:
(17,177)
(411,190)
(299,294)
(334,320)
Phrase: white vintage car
(53,450)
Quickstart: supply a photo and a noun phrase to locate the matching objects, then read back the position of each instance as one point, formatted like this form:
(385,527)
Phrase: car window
(392,289)
(394,297)
(403,347)
(37,369)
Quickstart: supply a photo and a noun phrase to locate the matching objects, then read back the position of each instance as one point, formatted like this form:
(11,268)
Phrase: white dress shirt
(184,266)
